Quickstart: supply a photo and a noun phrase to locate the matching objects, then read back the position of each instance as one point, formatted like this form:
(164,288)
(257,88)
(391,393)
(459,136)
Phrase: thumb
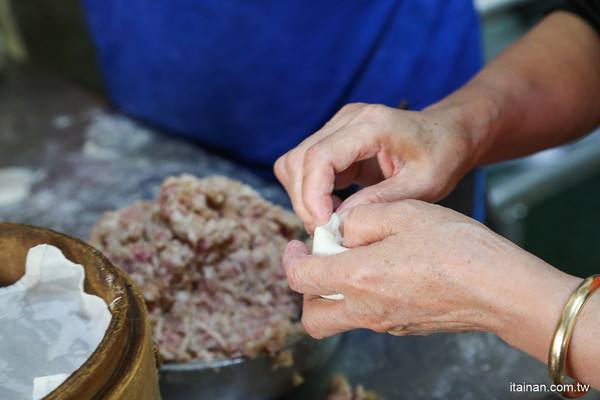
(308,274)
(368,223)
(383,192)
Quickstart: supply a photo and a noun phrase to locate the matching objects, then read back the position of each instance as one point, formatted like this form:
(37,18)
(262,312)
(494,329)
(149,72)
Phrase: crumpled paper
(48,325)
(327,241)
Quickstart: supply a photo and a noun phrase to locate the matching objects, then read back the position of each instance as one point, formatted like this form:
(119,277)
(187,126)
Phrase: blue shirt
(252,79)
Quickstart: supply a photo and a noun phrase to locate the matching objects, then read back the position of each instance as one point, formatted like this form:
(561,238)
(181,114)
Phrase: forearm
(527,313)
(542,91)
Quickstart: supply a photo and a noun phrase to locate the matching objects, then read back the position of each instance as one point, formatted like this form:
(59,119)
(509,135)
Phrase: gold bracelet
(557,358)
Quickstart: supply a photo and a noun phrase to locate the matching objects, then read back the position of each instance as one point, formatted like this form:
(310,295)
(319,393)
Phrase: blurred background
(546,203)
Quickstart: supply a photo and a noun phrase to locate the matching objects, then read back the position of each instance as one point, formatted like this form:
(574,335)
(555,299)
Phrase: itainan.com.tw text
(544,388)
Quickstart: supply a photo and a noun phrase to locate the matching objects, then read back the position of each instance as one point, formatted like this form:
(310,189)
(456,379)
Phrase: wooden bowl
(125,364)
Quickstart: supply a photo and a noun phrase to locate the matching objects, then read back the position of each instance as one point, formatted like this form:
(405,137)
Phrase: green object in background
(11,44)
(564,230)
(55,37)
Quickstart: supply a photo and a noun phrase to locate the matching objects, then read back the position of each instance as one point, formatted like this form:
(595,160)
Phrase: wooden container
(125,364)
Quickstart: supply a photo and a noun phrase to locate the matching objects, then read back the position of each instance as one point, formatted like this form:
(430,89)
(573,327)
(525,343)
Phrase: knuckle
(351,107)
(279,167)
(314,153)
(373,111)
(292,161)
(312,326)
(408,206)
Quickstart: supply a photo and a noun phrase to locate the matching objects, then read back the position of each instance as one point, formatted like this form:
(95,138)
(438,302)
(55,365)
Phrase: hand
(402,154)
(418,268)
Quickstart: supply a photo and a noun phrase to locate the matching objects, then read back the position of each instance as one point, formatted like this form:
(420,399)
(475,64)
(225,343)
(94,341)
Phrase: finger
(308,274)
(369,172)
(323,318)
(371,223)
(407,184)
(324,160)
(363,173)
(346,177)
(289,167)
(340,119)
(288,171)
(346,114)
(383,192)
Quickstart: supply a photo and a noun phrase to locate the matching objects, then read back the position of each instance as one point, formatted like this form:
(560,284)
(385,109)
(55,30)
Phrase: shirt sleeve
(589,10)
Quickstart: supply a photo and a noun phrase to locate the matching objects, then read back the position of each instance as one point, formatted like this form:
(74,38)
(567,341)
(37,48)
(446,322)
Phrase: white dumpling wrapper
(327,241)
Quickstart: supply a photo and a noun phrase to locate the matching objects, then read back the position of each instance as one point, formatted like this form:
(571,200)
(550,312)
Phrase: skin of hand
(397,154)
(418,268)
(539,93)
(415,268)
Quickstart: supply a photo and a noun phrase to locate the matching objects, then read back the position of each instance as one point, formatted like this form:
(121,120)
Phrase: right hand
(397,154)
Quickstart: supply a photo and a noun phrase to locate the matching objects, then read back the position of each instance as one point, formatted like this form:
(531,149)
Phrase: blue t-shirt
(251,79)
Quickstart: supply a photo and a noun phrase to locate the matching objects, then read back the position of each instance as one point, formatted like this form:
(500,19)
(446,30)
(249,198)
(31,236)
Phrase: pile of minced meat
(207,258)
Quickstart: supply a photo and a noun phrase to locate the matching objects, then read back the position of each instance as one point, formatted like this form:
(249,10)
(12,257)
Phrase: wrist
(472,118)
(529,310)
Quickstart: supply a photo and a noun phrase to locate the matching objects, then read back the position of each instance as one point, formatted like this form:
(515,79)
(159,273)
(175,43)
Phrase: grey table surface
(86,159)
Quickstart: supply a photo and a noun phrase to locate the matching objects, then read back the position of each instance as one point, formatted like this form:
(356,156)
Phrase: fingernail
(343,212)
(295,248)
(321,221)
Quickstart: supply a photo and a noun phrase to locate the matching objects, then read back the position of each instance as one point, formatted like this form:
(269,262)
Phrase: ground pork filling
(207,257)
(341,389)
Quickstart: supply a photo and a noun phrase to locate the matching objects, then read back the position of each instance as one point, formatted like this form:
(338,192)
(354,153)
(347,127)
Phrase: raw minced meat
(207,258)
(341,389)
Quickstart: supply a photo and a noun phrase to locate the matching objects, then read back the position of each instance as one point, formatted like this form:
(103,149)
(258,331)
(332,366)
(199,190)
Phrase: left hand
(413,268)
(396,154)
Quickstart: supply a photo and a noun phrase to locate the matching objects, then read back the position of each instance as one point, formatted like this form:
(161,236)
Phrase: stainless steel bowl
(240,378)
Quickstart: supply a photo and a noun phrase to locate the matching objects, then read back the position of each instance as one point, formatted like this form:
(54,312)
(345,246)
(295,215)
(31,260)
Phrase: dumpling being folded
(327,241)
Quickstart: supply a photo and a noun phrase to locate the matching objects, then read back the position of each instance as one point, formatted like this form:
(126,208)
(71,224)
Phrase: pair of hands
(413,266)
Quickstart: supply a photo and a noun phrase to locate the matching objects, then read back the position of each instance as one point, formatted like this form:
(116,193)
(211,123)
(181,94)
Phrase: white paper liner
(48,325)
